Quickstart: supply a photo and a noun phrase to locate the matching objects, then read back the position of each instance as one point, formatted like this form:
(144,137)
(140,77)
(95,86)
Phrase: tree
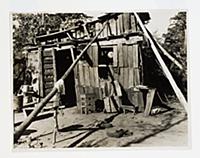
(27,26)
(175,44)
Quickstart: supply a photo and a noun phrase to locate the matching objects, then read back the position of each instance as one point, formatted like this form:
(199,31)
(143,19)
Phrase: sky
(160,19)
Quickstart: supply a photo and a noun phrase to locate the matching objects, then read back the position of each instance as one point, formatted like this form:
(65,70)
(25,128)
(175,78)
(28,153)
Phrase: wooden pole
(170,57)
(163,66)
(166,53)
(19,131)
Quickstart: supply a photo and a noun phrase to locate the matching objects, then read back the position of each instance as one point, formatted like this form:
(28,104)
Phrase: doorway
(63,62)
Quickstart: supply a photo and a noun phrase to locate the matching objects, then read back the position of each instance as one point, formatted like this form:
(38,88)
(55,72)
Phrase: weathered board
(125,77)
(95,55)
(121,26)
(120,54)
(130,56)
(133,23)
(91,78)
(125,56)
(115,56)
(96,76)
(121,78)
(126,22)
(81,74)
(113,26)
(130,78)
(86,75)
(149,101)
(49,69)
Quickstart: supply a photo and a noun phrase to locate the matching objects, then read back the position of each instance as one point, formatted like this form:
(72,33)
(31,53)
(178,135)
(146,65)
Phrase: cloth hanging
(60,86)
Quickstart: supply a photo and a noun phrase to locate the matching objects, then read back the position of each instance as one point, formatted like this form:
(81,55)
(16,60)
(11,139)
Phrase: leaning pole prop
(163,66)
(19,131)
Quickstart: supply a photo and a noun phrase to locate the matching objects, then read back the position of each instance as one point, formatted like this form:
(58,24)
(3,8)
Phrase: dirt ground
(103,130)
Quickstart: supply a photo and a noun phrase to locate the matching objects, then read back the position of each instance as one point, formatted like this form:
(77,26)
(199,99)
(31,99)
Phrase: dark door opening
(63,61)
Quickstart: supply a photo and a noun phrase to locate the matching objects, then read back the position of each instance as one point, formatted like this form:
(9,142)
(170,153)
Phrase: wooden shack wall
(126,65)
(117,25)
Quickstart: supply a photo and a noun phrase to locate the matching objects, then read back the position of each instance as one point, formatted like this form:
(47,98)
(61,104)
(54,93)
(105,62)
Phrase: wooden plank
(76,72)
(48,66)
(120,52)
(48,79)
(54,65)
(97,93)
(140,102)
(141,66)
(102,33)
(112,104)
(48,86)
(48,58)
(95,55)
(130,79)
(86,75)
(118,88)
(121,78)
(137,76)
(41,92)
(92,82)
(115,56)
(81,75)
(133,23)
(121,26)
(149,101)
(48,61)
(105,31)
(163,66)
(126,18)
(90,54)
(130,56)
(125,56)
(126,77)
(107,88)
(96,76)
(107,104)
(113,26)
(117,25)
(135,56)
(48,72)
(47,53)
(97,28)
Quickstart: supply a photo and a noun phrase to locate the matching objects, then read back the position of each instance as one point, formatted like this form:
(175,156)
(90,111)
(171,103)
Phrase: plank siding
(126,22)
(131,78)
(115,56)
(81,74)
(95,55)
(125,56)
(133,23)
(130,56)
(120,52)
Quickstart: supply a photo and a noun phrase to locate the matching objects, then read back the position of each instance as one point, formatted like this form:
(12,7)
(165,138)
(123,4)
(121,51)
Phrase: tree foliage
(175,44)
(27,26)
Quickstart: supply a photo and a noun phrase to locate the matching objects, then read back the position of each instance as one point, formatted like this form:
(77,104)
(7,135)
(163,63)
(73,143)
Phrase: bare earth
(168,129)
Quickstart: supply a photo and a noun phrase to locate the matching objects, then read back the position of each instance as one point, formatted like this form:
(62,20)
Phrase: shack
(100,65)
(108,76)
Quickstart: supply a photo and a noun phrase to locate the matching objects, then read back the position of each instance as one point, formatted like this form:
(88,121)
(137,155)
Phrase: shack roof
(102,18)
